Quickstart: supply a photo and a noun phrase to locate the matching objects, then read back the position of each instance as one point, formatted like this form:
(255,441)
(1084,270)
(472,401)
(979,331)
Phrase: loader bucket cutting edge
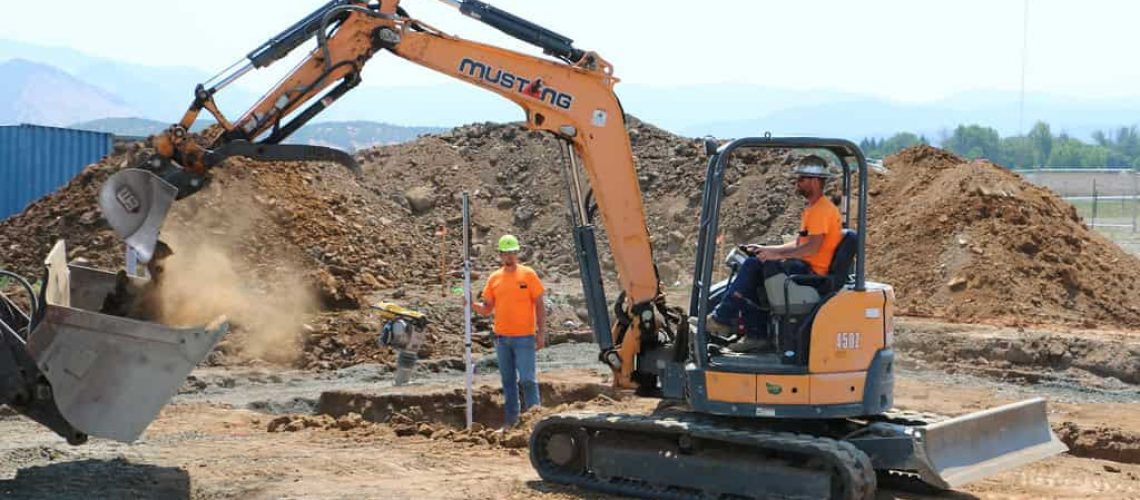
(970,447)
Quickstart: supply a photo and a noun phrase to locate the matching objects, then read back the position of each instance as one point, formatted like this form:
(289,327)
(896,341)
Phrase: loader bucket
(109,375)
(970,447)
(135,203)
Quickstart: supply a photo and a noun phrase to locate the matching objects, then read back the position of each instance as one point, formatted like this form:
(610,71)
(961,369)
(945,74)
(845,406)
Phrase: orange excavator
(810,418)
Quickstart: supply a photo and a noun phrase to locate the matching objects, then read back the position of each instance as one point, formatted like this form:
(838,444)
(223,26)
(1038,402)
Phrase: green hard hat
(509,243)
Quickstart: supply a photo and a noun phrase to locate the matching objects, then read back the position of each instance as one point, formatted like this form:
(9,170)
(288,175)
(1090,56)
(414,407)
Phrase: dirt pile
(960,240)
(516,180)
(971,241)
(353,240)
(346,423)
(280,231)
(70,213)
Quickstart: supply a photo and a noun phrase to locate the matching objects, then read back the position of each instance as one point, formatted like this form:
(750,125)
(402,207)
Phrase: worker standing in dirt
(810,252)
(515,295)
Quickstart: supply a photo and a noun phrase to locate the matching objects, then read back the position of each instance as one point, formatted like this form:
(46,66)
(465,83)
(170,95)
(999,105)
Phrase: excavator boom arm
(569,95)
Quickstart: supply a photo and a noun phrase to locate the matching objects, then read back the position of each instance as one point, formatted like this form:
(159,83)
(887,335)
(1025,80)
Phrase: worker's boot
(750,344)
(715,326)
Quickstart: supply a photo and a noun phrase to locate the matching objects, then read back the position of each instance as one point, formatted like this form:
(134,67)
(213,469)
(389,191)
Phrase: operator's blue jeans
(517,366)
(743,294)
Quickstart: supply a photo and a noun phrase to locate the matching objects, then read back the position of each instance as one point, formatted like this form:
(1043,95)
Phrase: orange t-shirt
(514,294)
(821,218)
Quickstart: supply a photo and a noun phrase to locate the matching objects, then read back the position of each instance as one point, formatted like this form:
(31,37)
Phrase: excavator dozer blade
(135,203)
(110,376)
(970,447)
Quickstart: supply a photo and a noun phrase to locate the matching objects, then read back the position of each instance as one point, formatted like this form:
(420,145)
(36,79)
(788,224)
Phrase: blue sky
(902,50)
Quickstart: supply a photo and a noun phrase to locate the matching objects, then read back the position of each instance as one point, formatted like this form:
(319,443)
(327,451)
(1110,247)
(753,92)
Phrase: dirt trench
(440,415)
(447,408)
(1030,356)
(1101,442)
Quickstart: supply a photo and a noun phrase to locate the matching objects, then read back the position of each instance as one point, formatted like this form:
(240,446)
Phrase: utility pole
(1024,59)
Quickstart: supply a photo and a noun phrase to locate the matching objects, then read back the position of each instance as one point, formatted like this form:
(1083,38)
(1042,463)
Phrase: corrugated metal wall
(35,160)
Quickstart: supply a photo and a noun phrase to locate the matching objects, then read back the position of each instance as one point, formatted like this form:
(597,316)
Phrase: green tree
(1118,147)
(1017,152)
(974,141)
(879,148)
(1042,140)
(1069,152)
(899,142)
(1065,153)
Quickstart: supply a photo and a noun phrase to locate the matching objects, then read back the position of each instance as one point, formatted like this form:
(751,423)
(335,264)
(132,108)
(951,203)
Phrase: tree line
(1109,148)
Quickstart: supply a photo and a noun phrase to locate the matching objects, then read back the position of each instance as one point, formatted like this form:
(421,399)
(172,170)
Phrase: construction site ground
(1006,294)
(263,432)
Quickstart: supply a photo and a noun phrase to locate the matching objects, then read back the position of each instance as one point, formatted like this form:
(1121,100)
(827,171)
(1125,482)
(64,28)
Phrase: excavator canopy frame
(851,161)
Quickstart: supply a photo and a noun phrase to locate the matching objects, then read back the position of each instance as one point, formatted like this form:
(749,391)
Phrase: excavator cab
(789,301)
(832,359)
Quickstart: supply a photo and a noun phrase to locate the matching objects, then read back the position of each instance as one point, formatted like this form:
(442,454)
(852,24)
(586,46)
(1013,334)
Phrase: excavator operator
(811,252)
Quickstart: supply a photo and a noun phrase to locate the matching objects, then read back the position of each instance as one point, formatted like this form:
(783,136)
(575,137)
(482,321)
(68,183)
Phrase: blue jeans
(743,294)
(517,366)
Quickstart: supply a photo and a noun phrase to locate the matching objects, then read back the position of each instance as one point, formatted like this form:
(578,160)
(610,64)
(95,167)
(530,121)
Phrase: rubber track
(906,480)
(849,463)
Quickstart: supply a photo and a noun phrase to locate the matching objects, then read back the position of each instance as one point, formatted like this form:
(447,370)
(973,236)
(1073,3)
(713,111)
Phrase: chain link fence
(1108,199)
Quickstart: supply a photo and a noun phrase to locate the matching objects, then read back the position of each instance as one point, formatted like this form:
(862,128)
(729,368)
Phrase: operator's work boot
(750,344)
(714,326)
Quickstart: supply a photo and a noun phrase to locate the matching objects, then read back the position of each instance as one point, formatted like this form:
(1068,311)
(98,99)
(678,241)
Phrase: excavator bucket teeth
(135,203)
(964,449)
(110,376)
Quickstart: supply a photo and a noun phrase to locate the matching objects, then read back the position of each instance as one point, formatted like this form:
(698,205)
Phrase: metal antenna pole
(1024,51)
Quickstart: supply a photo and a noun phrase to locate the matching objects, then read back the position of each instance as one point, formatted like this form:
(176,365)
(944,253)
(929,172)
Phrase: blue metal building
(36,160)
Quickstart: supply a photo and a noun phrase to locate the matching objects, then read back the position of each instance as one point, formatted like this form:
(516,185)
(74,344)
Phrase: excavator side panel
(848,331)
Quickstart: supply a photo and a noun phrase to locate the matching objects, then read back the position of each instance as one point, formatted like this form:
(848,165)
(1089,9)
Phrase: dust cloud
(210,276)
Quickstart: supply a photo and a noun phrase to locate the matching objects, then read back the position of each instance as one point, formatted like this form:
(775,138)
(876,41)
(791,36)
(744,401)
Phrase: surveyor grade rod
(470,368)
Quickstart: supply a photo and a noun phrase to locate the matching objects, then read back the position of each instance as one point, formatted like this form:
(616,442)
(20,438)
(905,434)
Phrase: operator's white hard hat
(813,166)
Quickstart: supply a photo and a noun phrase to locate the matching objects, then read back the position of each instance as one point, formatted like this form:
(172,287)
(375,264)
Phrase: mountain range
(348,135)
(41,94)
(62,86)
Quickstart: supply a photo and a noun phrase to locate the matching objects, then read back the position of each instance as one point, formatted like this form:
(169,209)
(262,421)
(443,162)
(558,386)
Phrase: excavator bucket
(109,375)
(964,449)
(135,203)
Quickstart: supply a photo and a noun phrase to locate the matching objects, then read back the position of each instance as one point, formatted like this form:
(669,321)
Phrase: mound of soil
(70,213)
(355,240)
(965,241)
(971,241)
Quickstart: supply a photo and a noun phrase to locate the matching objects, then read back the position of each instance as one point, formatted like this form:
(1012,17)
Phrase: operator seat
(794,299)
(791,298)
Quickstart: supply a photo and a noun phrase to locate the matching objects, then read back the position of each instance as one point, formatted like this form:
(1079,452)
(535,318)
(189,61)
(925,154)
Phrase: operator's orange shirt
(821,218)
(514,294)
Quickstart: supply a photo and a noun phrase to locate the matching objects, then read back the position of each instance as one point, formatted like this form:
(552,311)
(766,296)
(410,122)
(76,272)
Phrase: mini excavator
(813,418)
